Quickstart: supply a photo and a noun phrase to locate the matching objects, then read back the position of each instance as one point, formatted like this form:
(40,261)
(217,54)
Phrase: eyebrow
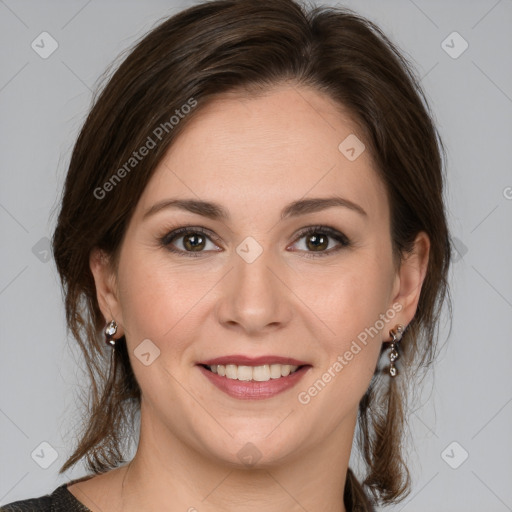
(216,211)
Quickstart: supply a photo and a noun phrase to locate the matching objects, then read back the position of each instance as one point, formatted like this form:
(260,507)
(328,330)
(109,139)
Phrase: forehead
(266,150)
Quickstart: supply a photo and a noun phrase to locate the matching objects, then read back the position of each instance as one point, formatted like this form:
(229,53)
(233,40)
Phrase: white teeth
(261,373)
(275,371)
(256,373)
(231,371)
(285,370)
(244,373)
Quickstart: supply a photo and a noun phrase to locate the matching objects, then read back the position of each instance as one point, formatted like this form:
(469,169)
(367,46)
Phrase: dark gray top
(61,500)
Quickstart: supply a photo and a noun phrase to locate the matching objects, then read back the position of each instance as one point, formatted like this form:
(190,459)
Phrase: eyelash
(166,240)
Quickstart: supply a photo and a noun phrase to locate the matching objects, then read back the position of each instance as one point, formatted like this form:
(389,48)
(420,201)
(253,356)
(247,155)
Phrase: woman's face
(253,285)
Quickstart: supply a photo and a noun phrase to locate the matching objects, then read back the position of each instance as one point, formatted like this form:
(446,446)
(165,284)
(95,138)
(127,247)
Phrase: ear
(409,278)
(106,288)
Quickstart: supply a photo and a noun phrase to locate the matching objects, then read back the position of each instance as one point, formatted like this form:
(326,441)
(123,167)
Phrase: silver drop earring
(110,331)
(396,335)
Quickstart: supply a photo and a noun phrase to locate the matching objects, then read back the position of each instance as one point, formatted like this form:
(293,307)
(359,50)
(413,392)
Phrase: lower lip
(252,390)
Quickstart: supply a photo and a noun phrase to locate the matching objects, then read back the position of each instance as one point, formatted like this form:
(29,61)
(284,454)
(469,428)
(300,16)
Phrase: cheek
(160,301)
(352,295)
(157,304)
(356,308)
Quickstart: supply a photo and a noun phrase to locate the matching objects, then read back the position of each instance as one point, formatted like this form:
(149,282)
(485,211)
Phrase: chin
(251,449)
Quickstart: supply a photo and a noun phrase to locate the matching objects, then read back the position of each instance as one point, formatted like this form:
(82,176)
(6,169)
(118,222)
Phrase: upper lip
(240,360)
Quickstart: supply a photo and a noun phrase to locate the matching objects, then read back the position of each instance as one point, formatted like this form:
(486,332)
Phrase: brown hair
(241,45)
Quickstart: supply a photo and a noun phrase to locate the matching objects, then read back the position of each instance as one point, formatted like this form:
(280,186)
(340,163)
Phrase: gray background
(42,105)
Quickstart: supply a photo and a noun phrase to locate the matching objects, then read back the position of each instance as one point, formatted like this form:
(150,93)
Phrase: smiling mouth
(262,373)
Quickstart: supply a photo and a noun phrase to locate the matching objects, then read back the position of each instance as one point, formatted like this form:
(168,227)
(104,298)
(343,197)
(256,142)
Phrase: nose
(254,296)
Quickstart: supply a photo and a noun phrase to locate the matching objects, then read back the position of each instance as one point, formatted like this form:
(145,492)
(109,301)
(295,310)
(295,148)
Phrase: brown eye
(194,242)
(189,241)
(317,241)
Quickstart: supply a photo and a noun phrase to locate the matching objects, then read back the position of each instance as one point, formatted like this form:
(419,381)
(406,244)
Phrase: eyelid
(175,232)
(341,238)
(322,228)
(178,231)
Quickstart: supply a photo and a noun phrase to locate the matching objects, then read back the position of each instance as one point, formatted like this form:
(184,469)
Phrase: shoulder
(60,500)
(42,503)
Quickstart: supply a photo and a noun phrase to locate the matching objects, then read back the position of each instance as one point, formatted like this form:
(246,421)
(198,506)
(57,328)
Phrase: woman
(253,216)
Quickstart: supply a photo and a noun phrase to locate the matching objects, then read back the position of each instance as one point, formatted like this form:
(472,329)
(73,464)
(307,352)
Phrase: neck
(167,474)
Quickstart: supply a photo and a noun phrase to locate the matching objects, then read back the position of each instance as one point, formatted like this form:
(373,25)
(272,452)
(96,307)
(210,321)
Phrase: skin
(253,155)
